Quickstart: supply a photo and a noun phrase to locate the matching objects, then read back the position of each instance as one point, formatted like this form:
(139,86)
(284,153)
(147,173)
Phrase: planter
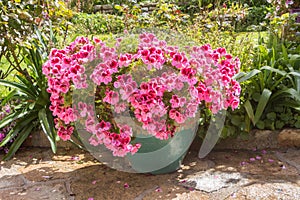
(162,156)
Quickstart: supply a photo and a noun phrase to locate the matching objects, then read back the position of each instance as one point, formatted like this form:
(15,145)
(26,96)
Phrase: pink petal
(243,163)
(271,160)
(126,185)
(74,158)
(258,158)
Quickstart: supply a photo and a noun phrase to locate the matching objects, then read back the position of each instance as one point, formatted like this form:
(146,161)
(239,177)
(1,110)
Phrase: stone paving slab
(283,190)
(55,191)
(291,156)
(211,180)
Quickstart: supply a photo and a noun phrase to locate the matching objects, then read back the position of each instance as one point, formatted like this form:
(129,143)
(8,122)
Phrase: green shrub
(97,23)
(256,19)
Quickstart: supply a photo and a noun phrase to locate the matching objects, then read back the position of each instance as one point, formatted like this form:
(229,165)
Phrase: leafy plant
(274,86)
(33,108)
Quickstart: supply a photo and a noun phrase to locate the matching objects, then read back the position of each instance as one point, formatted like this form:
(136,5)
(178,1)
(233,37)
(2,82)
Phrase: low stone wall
(39,139)
(149,7)
(260,139)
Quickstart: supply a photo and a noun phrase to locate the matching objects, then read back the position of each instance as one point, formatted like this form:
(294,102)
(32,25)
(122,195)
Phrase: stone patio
(35,173)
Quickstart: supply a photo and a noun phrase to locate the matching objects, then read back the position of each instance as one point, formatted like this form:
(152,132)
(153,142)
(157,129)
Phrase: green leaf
(11,117)
(248,75)
(297,74)
(19,126)
(249,110)
(279,124)
(260,124)
(263,100)
(18,141)
(283,73)
(20,87)
(48,128)
(26,83)
(239,75)
(9,97)
(263,50)
(271,115)
(297,124)
(40,38)
(236,120)
(290,92)
(284,52)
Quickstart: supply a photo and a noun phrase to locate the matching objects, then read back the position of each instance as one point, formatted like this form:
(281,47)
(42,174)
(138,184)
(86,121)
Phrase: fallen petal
(74,158)
(158,189)
(243,163)
(258,158)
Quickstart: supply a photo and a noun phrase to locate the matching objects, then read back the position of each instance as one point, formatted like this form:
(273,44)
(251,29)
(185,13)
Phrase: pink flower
(103,126)
(111,97)
(177,116)
(191,109)
(93,141)
(178,59)
(65,132)
(177,101)
(125,60)
(120,107)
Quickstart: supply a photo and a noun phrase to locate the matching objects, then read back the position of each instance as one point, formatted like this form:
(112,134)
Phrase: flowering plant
(4,131)
(159,85)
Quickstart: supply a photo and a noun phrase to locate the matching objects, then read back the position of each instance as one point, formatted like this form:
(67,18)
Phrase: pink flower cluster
(63,69)
(118,143)
(160,104)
